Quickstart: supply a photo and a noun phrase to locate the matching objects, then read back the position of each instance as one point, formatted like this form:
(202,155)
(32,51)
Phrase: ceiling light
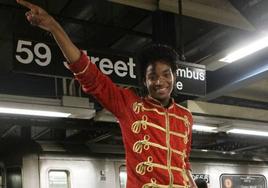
(232,153)
(204,128)
(245,51)
(33,112)
(67,107)
(248,132)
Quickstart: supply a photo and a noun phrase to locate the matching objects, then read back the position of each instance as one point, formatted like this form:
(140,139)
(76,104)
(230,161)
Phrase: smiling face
(159,81)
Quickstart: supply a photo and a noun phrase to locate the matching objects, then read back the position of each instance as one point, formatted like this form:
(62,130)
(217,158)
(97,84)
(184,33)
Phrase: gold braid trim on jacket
(137,125)
(153,184)
(148,166)
(145,144)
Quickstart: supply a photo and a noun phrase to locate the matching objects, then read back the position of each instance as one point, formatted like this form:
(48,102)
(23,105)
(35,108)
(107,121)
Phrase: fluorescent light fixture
(245,51)
(248,132)
(204,128)
(33,112)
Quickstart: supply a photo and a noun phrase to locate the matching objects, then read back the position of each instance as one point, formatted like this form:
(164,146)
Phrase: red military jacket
(157,140)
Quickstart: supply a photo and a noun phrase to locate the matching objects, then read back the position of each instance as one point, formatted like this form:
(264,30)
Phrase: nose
(159,80)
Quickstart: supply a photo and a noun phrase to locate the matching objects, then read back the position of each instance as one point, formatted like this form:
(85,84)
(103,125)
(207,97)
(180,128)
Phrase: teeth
(162,89)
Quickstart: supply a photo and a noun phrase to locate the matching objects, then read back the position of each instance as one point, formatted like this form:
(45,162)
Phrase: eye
(152,77)
(167,75)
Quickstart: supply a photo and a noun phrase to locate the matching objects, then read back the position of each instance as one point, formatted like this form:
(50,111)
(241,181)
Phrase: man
(201,183)
(156,131)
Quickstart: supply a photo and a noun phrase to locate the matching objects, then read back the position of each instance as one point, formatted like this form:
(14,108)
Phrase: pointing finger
(26,4)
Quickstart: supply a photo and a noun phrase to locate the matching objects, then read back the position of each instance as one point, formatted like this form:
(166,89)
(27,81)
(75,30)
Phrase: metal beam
(234,114)
(8,131)
(41,133)
(25,132)
(84,23)
(218,156)
(249,148)
(61,123)
(217,11)
(147,4)
(236,75)
(100,138)
(107,148)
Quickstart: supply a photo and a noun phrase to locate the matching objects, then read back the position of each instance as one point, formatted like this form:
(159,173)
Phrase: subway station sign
(44,59)
(191,79)
(41,58)
(243,181)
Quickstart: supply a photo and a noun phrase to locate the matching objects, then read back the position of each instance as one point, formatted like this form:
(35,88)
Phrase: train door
(2,176)
(13,177)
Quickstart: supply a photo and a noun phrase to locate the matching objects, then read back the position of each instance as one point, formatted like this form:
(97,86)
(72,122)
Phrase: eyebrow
(164,71)
(167,70)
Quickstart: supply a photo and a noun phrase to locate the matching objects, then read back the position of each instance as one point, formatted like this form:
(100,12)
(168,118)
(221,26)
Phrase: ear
(174,75)
(144,82)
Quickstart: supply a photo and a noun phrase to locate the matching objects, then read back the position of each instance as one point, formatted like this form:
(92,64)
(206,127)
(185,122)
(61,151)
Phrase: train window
(58,179)
(123,176)
(243,180)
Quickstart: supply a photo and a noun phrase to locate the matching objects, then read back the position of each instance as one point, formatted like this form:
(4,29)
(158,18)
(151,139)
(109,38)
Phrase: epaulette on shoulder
(180,106)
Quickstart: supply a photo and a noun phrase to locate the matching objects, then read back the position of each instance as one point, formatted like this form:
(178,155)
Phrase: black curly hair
(157,52)
(201,183)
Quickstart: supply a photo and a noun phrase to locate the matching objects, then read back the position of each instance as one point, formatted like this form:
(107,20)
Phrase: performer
(156,131)
(201,183)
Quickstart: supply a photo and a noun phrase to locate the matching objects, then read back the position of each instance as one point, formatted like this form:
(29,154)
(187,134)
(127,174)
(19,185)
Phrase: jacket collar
(155,102)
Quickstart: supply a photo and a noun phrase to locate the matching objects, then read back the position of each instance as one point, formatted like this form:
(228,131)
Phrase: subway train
(60,169)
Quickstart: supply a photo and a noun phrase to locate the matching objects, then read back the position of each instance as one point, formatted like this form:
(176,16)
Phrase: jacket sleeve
(189,144)
(95,83)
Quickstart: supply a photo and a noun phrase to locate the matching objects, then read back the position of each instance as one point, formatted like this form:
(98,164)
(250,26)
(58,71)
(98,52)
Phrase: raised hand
(38,16)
